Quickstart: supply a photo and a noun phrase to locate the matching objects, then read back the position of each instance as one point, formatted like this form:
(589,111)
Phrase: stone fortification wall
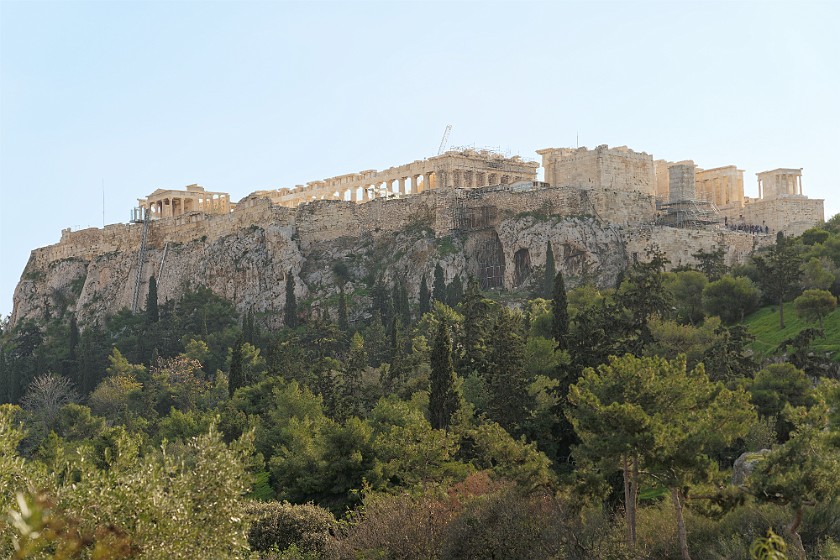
(619,169)
(329,220)
(680,244)
(792,215)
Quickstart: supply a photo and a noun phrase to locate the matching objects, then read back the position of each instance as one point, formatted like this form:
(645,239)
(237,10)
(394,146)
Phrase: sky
(122,98)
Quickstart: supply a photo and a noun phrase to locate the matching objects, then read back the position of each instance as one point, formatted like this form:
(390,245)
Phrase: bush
(505,525)
(280,525)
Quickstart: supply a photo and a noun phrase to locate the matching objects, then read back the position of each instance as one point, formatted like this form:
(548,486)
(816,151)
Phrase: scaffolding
(688,214)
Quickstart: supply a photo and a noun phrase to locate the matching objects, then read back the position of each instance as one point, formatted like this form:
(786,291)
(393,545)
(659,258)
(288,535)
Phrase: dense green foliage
(401,421)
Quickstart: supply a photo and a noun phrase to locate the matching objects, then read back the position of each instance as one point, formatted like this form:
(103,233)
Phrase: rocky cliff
(497,234)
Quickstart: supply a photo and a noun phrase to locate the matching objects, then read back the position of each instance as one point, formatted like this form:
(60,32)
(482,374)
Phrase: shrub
(282,525)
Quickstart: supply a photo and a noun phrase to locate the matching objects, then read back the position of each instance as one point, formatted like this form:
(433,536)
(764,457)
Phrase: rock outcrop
(497,234)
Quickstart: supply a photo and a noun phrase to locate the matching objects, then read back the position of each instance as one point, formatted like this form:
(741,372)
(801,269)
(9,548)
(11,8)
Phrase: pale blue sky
(239,96)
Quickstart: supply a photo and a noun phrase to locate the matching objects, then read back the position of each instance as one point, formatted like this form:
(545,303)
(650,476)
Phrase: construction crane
(444,139)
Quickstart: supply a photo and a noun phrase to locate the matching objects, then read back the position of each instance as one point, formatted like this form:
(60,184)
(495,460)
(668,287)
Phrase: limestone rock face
(497,235)
(745,465)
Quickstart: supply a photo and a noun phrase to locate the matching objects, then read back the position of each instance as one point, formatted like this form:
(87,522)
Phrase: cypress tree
(405,306)
(425,297)
(550,271)
(507,380)
(248,333)
(455,291)
(560,313)
(236,378)
(342,310)
(443,398)
(152,313)
(5,378)
(475,311)
(439,285)
(290,317)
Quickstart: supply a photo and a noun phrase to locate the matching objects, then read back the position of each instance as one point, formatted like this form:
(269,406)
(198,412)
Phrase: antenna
(577,139)
(103,203)
(444,139)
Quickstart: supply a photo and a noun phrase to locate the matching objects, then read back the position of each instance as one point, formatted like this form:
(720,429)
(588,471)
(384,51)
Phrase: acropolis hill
(475,212)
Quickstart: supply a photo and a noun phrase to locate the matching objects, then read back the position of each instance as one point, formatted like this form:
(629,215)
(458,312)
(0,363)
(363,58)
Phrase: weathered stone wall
(245,256)
(680,244)
(792,215)
(681,182)
(619,169)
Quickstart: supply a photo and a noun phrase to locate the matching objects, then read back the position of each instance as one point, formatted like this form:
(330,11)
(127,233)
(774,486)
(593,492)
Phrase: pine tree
(439,285)
(342,310)
(443,398)
(290,317)
(550,271)
(560,313)
(236,378)
(425,297)
(152,314)
(779,273)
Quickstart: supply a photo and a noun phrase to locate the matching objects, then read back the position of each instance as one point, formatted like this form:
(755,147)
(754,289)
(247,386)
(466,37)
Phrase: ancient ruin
(168,203)
(453,169)
(476,213)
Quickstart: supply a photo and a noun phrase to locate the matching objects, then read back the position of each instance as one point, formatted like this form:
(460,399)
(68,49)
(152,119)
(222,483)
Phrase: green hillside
(764,325)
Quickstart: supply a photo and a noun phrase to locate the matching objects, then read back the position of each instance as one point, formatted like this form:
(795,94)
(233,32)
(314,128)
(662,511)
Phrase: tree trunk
(794,531)
(634,493)
(629,506)
(676,497)
(781,312)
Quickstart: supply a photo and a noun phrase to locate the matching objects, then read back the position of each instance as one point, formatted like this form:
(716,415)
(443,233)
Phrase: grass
(764,326)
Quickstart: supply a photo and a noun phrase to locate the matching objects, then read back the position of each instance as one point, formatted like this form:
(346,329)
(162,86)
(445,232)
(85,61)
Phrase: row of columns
(784,184)
(175,206)
(410,184)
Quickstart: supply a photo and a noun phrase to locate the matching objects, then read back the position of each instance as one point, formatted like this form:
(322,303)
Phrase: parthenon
(453,169)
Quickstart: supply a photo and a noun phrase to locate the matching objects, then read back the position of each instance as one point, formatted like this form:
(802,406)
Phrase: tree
(550,271)
(802,471)
(730,298)
(643,294)
(559,313)
(777,386)
(343,325)
(443,396)
(686,289)
(45,397)
(507,380)
(425,296)
(651,415)
(779,273)
(290,312)
(814,305)
(729,358)
(711,263)
(476,311)
(152,314)
(439,285)
(236,377)
(818,274)
(455,292)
